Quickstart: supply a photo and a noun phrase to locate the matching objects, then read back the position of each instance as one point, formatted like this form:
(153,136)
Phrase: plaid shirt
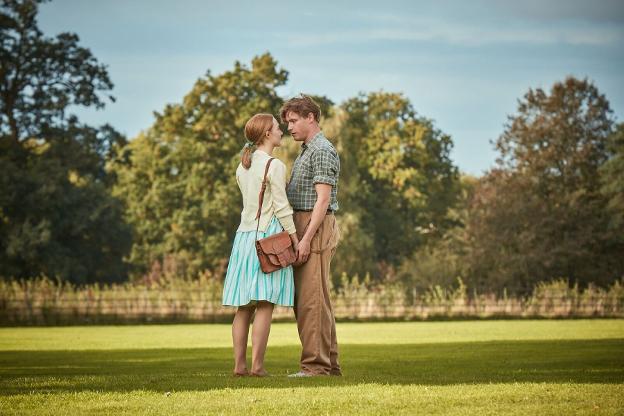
(318,162)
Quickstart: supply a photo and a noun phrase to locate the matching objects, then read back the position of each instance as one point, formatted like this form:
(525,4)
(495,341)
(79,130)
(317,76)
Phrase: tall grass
(359,300)
(43,301)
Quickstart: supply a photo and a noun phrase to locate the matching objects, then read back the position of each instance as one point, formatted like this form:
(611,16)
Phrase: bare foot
(241,373)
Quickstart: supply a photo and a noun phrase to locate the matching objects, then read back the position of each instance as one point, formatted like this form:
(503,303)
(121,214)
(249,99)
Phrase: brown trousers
(313,309)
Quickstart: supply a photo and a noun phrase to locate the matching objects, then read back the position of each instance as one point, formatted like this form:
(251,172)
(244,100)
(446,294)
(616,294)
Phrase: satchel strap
(261,196)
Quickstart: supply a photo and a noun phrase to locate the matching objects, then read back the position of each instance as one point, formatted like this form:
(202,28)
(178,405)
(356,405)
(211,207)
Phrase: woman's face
(275,134)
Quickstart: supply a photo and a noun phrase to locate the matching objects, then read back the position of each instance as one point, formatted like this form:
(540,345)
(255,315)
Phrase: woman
(246,286)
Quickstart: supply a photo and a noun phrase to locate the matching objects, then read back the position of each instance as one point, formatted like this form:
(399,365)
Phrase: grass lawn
(473,367)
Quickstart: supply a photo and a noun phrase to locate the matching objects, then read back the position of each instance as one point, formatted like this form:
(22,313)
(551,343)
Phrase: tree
(442,261)
(177,180)
(612,179)
(397,181)
(540,214)
(41,77)
(56,215)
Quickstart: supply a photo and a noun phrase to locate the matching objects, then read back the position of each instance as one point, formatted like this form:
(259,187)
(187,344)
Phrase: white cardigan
(275,199)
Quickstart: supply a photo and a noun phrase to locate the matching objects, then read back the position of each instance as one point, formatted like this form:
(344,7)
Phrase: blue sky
(463,64)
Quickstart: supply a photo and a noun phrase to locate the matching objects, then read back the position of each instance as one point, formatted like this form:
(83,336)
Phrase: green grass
(471,367)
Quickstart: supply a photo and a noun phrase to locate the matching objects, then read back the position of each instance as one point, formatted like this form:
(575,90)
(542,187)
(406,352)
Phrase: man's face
(298,126)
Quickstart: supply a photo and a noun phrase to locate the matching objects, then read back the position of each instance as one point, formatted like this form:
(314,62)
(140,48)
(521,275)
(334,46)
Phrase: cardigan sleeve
(238,179)
(283,210)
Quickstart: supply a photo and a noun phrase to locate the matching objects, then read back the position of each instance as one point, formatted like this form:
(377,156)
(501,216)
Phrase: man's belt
(329,211)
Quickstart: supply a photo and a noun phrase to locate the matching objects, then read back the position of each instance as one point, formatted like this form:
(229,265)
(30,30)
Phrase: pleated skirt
(245,283)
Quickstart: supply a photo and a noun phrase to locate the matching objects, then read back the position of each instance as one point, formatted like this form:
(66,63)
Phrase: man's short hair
(302,106)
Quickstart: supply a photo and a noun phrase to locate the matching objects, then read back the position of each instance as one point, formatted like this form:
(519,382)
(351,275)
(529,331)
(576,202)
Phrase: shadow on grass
(584,361)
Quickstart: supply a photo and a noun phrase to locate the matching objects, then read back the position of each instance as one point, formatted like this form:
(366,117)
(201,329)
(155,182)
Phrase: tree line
(85,204)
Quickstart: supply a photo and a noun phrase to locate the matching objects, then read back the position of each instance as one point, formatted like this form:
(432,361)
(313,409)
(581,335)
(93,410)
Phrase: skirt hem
(254,301)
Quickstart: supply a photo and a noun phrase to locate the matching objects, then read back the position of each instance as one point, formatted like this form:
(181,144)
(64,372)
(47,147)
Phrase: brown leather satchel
(274,252)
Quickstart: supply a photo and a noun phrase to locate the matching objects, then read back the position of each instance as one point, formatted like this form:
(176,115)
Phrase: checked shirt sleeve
(326,167)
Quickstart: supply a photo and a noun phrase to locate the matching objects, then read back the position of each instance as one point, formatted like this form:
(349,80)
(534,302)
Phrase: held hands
(302,249)
(303,252)
(295,243)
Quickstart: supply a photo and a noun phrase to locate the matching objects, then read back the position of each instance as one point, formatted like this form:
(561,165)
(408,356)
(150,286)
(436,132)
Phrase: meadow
(468,367)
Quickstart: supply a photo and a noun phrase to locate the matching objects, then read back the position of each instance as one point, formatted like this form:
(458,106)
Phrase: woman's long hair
(255,132)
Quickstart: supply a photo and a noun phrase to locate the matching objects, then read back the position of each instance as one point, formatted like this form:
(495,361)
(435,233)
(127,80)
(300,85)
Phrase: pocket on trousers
(326,237)
(334,237)
(337,235)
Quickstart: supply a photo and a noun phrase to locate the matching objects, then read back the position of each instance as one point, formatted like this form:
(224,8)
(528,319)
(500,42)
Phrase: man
(312,193)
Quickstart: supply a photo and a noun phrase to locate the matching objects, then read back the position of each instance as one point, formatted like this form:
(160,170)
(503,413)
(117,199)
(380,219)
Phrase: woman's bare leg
(240,333)
(260,337)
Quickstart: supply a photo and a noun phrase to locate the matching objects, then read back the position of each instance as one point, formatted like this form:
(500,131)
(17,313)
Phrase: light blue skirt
(245,283)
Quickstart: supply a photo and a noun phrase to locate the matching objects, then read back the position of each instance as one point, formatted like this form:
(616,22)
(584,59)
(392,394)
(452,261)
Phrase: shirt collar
(311,142)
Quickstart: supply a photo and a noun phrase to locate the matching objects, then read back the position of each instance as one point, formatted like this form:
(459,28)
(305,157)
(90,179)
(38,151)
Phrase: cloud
(462,34)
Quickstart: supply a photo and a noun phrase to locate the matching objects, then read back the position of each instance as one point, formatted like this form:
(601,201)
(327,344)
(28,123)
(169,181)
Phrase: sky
(463,64)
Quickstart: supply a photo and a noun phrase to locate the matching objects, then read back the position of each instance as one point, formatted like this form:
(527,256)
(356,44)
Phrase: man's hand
(303,251)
